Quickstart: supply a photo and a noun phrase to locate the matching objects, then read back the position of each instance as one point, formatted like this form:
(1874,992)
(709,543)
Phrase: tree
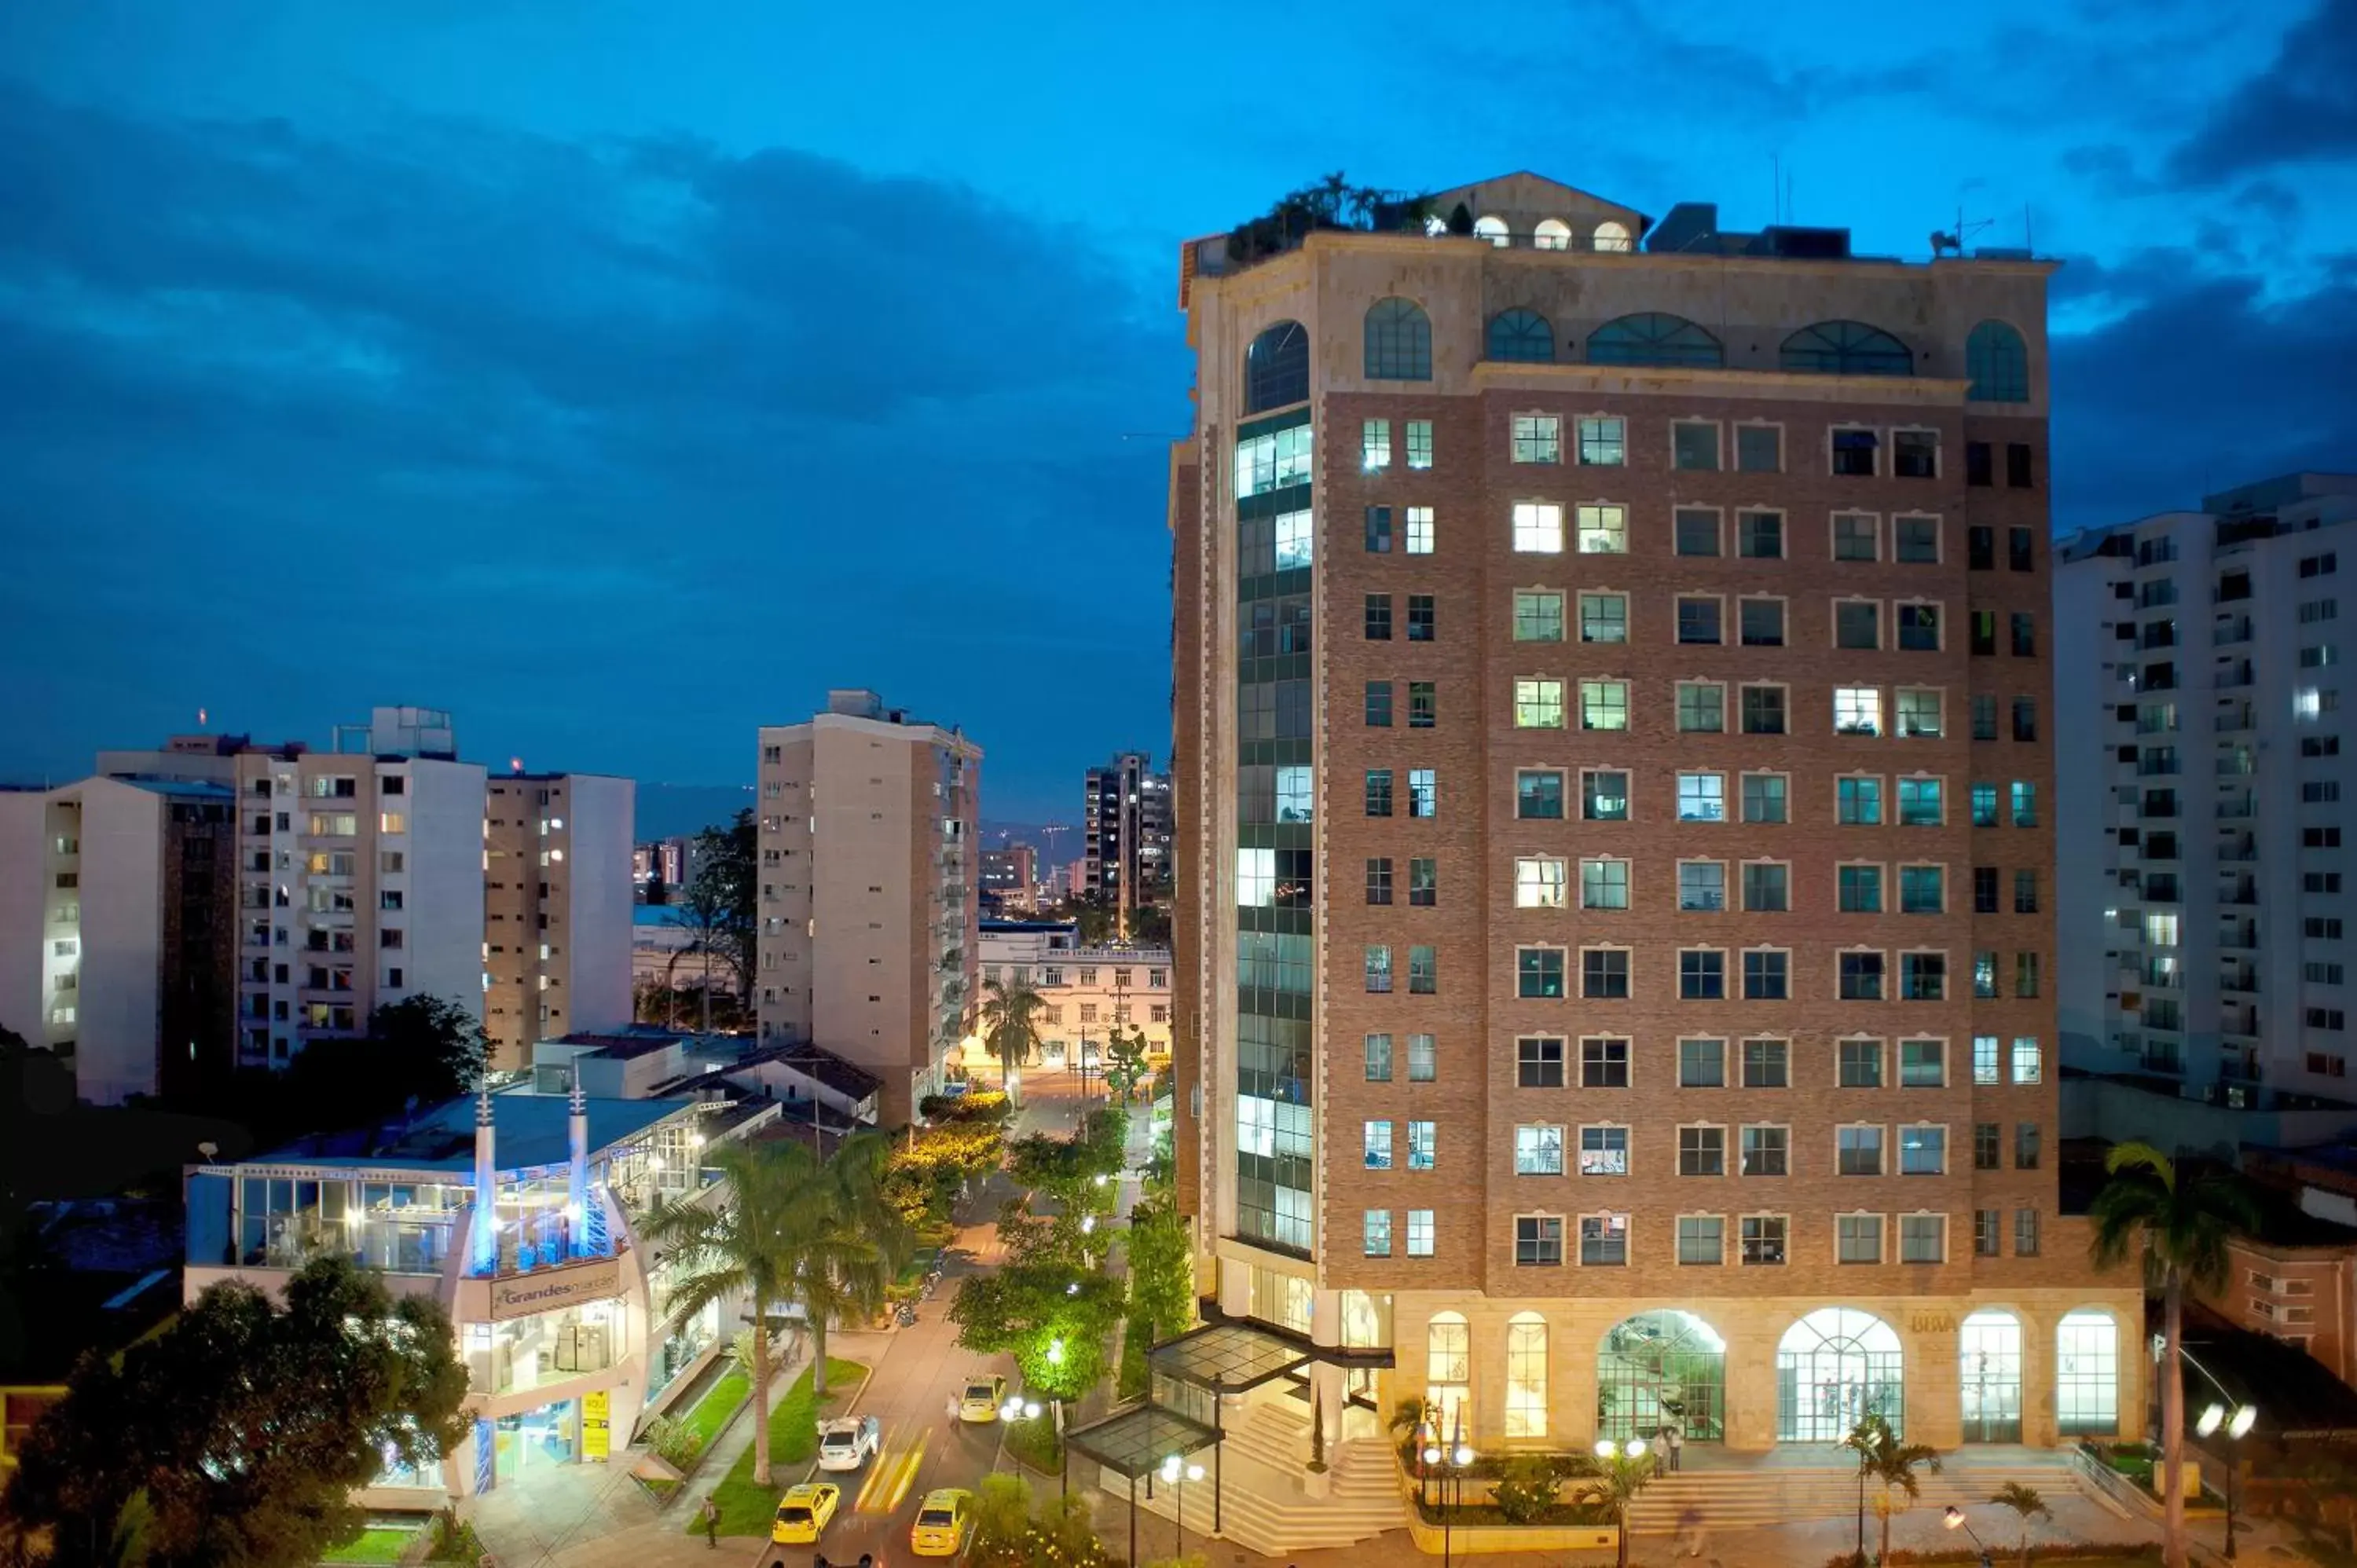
(1010,1027)
(420,1049)
(1051,1316)
(720,901)
(1098,917)
(1619,1479)
(239,1434)
(1125,1062)
(2180,1224)
(847,1243)
(1149,926)
(1161,1268)
(1885,1460)
(736,1246)
(2026,1502)
(1002,1521)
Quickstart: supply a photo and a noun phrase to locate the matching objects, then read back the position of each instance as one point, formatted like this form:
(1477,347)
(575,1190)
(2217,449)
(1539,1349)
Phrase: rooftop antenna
(1953,242)
(1776,186)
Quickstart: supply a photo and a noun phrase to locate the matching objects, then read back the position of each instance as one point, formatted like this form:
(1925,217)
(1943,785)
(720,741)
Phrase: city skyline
(538,482)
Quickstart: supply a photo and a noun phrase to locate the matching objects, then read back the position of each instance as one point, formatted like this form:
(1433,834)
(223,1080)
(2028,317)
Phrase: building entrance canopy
(1229,1358)
(1134,1441)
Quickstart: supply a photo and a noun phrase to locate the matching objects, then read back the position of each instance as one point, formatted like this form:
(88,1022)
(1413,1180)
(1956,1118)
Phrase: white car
(848,1441)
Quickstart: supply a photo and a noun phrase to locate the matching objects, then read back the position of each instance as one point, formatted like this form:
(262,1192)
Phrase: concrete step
(1729,1497)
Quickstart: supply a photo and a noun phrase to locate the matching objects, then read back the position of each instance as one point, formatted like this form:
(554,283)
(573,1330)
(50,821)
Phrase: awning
(1134,1441)
(1229,1358)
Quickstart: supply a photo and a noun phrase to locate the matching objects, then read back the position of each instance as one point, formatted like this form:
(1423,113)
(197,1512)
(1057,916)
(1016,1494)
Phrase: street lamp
(2237,1423)
(1622,1457)
(1177,1477)
(1453,1458)
(1955,1519)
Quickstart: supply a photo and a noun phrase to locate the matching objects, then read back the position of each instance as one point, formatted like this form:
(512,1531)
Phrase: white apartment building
(2200,758)
(1085,990)
(360,882)
(116,927)
(557,900)
(869,891)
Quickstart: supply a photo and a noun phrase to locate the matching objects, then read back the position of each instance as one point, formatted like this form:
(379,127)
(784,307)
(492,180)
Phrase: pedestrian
(711,1525)
(1677,1441)
(950,1409)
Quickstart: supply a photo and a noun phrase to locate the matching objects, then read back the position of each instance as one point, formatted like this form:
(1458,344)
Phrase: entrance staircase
(1264,1506)
(1729,1494)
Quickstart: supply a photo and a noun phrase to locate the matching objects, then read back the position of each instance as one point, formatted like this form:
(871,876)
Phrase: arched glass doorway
(1833,1367)
(1990,1371)
(1660,1368)
(2087,1374)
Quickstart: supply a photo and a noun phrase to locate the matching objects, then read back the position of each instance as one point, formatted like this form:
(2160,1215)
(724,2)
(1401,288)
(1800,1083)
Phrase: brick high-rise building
(557,908)
(868,900)
(1615,962)
(1125,833)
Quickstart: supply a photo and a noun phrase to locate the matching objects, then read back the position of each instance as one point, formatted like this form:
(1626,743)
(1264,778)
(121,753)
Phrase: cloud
(447,412)
(2197,383)
(2299,109)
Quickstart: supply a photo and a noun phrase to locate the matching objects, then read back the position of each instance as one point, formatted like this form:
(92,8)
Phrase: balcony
(2235,809)
(2234,631)
(2240,1023)
(2159,767)
(2162,1062)
(2243,895)
(2241,848)
(2240,937)
(2233,676)
(2238,717)
(2239,983)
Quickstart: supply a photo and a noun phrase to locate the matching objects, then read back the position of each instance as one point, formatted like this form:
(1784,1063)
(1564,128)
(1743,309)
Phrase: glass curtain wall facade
(1275,935)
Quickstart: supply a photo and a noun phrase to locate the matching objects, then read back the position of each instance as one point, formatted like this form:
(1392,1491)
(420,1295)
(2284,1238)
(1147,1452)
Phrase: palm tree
(1010,1028)
(736,1246)
(2025,1501)
(2179,1225)
(1883,1459)
(847,1243)
(1620,1477)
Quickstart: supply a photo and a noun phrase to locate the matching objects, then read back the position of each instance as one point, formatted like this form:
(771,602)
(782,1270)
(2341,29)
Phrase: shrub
(1525,1490)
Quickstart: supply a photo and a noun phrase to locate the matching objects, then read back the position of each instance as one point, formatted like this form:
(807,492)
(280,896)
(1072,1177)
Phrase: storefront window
(525,1353)
(536,1439)
(682,1343)
(398,1227)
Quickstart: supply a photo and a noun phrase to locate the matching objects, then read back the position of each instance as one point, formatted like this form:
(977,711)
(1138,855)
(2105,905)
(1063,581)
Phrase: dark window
(1379,881)
(1697,532)
(2025,891)
(1521,337)
(1997,364)
(1763,710)
(2024,635)
(1857,623)
(2017,465)
(1767,976)
(1861,977)
(1758,448)
(1379,618)
(1763,623)
(1604,974)
(1538,972)
(1603,1064)
(1423,882)
(1759,536)
(1915,540)
(1653,338)
(1419,617)
(1693,445)
(1984,632)
(1984,887)
(1379,791)
(1538,796)
(2025,718)
(1538,1064)
(1979,466)
(1702,976)
(1423,705)
(1845,349)
(2020,546)
(1698,620)
(1915,454)
(1604,797)
(1853,453)
(1918,628)
(1378,704)
(1276,367)
(1379,530)
(1399,341)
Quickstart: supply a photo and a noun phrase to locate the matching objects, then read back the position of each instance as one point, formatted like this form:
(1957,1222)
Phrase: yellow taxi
(944,1519)
(984,1392)
(803,1512)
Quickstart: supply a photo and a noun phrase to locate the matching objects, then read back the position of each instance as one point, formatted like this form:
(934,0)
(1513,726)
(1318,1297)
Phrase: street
(916,1369)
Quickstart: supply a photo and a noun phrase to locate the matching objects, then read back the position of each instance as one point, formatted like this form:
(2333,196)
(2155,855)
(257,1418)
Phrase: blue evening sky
(620,374)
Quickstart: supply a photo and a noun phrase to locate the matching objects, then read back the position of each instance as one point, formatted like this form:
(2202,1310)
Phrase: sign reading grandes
(520,1295)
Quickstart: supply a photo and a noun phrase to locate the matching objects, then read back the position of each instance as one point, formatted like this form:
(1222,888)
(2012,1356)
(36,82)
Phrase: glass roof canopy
(1136,1441)
(1228,1357)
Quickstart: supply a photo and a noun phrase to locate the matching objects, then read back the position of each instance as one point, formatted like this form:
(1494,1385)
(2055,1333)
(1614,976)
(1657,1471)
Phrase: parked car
(848,1441)
(803,1512)
(944,1519)
(984,1392)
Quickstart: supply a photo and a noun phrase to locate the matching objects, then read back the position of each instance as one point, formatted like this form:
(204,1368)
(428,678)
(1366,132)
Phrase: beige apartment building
(557,866)
(869,891)
(1615,945)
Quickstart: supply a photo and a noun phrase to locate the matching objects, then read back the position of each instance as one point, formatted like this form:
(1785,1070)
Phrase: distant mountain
(677,811)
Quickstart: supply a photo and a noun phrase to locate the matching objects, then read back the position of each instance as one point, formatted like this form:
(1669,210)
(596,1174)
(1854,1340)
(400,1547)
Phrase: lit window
(1702,797)
(1539,883)
(1538,704)
(1537,438)
(1857,710)
(2027,1066)
(1603,617)
(1603,1151)
(1538,1151)
(1603,530)
(1603,884)
(1419,535)
(1375,444)
(1603,443)
(1538,527)
(1604,705)
(1538,617)
(1419,444)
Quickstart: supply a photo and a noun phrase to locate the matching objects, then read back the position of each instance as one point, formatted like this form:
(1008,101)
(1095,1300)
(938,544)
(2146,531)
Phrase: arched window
(1276,367)
(2087,1374)
(1523,336)
(1834,1368)
(1552,234)
(1998,363)
(1988,1347)
(1650,338)
(1399,341)
(1661,1368)
(1492,229)
(1526,1375)
(1847,348)
(1448,1364)
(1611,235)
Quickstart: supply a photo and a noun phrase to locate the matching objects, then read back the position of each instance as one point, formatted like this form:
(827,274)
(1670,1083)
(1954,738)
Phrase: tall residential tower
(1125,828)
(868,898)
(1616,959)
